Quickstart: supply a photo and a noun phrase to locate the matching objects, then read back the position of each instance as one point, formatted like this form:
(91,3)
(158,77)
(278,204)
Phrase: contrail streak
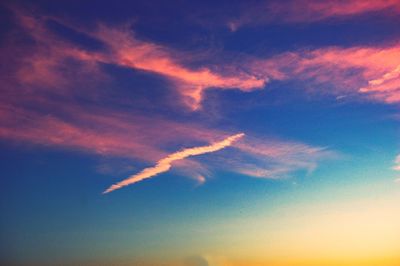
(165,164)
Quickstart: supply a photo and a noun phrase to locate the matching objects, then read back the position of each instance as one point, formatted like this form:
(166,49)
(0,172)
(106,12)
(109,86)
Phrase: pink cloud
(367,71)
(200,179)
(191,83)
(397,163)
(39,107)
(307,11)
(100,131)
(386,88)
(47,66)
(111,134)
(31,127)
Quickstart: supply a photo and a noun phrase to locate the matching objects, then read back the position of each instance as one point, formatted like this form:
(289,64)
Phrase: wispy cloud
(200,179)
(397,163)
(307,11)
(48,65)
(314,10)
(99,131)
(396,167)
(276,159)
(386,87)
(111,134)
(362,71)
(370,71)
(165,164)
(191,83)
(48,111)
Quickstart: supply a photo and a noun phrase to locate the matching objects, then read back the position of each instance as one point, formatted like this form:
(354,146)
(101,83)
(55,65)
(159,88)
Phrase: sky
(200,133)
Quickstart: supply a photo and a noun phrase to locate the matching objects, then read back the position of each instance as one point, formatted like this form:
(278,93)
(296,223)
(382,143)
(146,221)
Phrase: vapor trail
(165,164)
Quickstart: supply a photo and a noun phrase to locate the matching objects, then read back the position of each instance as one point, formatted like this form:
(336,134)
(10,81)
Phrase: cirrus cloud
(358,71)
(48,65)
(307,11)
(41,103)
(397,163)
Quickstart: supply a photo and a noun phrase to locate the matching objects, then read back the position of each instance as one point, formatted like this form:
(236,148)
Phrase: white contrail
(165,164)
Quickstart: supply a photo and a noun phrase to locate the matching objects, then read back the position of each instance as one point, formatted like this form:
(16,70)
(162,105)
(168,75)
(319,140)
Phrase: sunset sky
(200,133)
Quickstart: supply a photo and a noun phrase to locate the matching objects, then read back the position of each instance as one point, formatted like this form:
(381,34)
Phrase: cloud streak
(99,131)
(109,134)
(40,103)
(372,72)
(130,52)
(397,163)
(273,158)
(165,164)
(48,64)
(314,10)
(308,11)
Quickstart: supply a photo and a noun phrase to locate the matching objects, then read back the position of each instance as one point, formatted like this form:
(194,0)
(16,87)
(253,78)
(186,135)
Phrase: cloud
(307,11)
(275,159)
(55,65)
(111,134)
(372,72)
(55,62)
(200,179)
(396,167)
(397,163)
(314,10)
(165,164)
(254,171)
(386,87)
(48,77)
(99,131)
(207,260)
(196,261)
(130,52)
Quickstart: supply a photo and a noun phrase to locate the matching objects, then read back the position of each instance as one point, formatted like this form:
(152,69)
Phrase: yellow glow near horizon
(356,233)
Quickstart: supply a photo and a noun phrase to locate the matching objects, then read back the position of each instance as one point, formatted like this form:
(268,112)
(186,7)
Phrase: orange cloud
(165,164)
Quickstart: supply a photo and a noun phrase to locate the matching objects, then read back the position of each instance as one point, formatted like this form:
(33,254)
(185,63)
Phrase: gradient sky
(200,133)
